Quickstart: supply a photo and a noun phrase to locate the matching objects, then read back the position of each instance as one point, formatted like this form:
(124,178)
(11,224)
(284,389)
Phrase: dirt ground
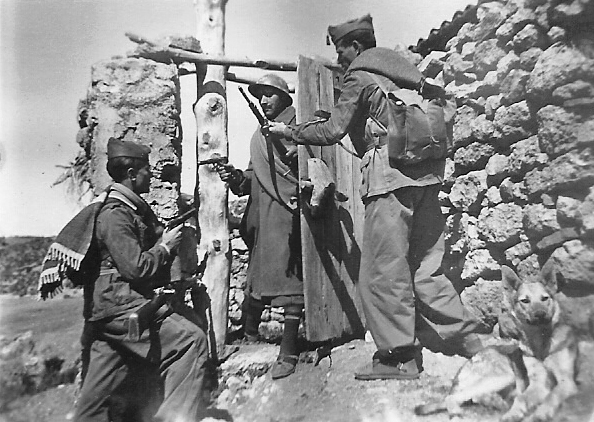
(327,392)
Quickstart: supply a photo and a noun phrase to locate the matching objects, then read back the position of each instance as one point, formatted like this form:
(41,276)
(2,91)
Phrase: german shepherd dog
(532,365)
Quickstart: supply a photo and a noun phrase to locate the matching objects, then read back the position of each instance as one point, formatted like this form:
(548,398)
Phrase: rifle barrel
(180,219)
(261,119)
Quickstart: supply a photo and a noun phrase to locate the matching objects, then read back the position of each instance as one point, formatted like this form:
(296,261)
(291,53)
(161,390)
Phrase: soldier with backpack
(397,124)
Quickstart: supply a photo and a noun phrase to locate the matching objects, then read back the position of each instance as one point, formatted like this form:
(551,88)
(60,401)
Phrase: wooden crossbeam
(193,57)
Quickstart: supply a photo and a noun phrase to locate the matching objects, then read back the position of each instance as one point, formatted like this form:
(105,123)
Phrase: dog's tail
(430,408)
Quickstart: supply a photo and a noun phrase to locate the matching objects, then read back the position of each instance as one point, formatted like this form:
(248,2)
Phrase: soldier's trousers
(401,279)
(174,347)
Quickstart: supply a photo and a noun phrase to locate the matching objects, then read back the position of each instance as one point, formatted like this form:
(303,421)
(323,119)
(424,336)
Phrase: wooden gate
(331,242)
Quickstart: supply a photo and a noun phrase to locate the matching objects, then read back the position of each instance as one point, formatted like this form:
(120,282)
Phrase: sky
(47,48)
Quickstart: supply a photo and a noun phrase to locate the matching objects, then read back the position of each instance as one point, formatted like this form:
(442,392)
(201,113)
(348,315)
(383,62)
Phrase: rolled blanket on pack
(391,64)
(68,251)
(398,69)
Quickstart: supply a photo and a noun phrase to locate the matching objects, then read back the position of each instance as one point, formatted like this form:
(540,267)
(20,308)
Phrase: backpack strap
(380,84)
(407,96)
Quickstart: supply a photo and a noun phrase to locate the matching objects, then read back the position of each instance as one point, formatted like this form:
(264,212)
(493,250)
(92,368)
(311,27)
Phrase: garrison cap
(336,32)
(119,148)
(274,81)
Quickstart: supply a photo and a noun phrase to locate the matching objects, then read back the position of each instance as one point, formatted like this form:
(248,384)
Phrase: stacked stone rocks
(137,100)
(272,318)
(519,187)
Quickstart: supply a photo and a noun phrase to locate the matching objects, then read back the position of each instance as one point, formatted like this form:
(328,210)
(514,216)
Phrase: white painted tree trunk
(211,137)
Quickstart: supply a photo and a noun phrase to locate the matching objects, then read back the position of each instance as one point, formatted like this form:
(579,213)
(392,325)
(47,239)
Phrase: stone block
(484,299)
(486,56)
(557,34)
(455,67)
(517,20)
(462,234)
(529,58)
(464,93)
(568,211)
(508,63)
(558,65)
(529,36)
(497,169)
(482,129)
(493,197)
(468,191)
(529,269)
(465,115)
(491,105)
(525,155)
(513,86)
(518,252)
(473,156)
(558,130)
(572,90)
(556,239)
(513,123)
(488,85)
(479,263)
(432,64)
(468,50)
(490,16)
(574,260)
(501,225)
(586,211)
(573,171)
(513,192)
(539,221)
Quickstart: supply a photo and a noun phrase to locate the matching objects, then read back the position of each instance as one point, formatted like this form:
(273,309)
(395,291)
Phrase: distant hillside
(20,263)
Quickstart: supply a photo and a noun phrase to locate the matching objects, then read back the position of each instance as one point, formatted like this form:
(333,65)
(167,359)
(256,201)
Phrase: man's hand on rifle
(276,128)
(171,238)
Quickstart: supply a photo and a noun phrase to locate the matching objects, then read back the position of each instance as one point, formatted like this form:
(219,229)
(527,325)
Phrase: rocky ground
(326,392)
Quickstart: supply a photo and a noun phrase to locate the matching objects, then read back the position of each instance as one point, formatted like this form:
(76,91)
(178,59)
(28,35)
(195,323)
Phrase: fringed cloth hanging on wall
(67,252)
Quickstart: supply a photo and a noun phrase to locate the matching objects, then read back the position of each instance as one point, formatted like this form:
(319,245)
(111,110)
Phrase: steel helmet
(274,81)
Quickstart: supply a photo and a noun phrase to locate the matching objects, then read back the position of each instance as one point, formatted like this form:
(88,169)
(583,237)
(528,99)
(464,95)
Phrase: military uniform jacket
(359,99)
(132,264)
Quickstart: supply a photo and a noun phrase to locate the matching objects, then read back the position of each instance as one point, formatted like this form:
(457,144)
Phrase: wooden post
(211,137)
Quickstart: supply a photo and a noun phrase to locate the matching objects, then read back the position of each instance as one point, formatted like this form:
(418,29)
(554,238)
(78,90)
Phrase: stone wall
(519,187)
(137,100)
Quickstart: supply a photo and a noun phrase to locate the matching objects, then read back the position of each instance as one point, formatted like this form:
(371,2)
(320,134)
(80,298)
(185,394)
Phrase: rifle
(181,219)
(261,119)
(140,320)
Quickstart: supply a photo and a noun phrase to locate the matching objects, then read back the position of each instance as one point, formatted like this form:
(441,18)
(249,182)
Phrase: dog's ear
(548,275)
(510,281)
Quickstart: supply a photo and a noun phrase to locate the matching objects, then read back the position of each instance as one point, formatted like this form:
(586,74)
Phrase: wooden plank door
(331,242)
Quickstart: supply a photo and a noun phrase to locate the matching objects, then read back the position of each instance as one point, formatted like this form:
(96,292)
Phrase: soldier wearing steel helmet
(270,226)
(407,300)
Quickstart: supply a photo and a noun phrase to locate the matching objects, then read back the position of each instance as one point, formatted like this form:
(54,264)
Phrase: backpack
(416,129)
